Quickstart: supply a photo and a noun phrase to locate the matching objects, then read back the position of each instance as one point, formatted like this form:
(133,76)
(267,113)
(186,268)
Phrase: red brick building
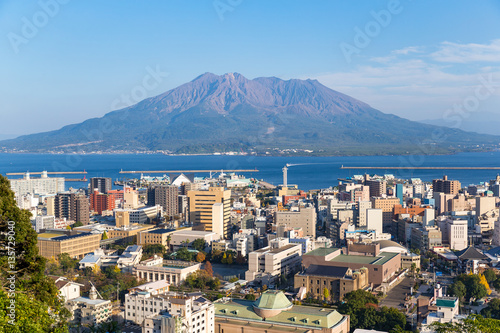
(101,202)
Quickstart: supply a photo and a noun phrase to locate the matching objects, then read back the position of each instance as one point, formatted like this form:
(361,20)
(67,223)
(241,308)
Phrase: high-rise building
(374,220)
(304,218)
(361,208)
(72,206)
(399,193)
(201,210)
(387,206)
(43,185)
(445,186)
(102,184)
(100,202)
(166,196)
(377,187)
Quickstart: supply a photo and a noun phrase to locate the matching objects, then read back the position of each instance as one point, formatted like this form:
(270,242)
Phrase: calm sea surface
(309,173)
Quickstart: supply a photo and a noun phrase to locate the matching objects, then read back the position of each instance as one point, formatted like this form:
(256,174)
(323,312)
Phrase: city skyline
(410,59)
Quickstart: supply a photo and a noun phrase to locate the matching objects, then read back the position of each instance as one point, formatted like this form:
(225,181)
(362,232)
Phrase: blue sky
(82,57)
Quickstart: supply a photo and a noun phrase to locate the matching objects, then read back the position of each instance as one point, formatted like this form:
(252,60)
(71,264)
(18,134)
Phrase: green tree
(77,224)
(490,275)
(66,262)
(34,293)
(199,244)
(169,239)
(250,297)
(473,324)
(458,289)
(104,235)
(184,254)
(492,310)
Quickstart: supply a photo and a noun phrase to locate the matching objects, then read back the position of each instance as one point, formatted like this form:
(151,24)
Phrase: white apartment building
(179,312)
(305,242)
(50,222)
(245,241)
(144,215)
(43,185)
(89,310)
(268,263)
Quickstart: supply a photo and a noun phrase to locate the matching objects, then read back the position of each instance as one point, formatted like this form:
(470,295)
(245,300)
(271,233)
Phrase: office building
(101,184)
(304,218)
(426,238)
(454,233)
(268,263)
(361,208)
(210,210)
(387,205)
(378,188)
(167,197)
(446,186)
(51,245)
(374,220)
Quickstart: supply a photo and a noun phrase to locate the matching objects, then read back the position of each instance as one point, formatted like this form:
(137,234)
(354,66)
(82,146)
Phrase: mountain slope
(228,112)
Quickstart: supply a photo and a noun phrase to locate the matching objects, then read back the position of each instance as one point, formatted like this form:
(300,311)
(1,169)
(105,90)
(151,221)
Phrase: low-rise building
(338,281)
(89,310)
(67,289)
(268,263)
(161,312)
(274,313)
(173,271)
(51,245)
(132,255)
(447,311)
(382,266)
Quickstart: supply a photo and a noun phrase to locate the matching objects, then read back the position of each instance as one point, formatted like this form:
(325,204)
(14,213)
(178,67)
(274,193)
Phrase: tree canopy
(364,313)
(33,292)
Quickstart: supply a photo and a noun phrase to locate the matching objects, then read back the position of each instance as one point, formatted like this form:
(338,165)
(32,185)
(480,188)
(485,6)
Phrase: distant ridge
(217,113)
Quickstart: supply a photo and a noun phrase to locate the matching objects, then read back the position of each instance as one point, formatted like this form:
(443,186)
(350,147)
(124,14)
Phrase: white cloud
(419,83)
(467,53)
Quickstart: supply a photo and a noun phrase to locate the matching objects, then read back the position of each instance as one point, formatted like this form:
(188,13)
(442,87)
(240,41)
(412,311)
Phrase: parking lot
(396,296)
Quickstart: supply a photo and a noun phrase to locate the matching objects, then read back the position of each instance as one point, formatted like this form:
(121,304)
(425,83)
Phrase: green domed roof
(272,300)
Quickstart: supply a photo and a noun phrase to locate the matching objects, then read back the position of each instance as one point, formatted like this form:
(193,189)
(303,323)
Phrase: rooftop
(160,231)
(448,302)
(321,252)
(283,248)
(272,300)
(381,259)
(296,317)
(332,271)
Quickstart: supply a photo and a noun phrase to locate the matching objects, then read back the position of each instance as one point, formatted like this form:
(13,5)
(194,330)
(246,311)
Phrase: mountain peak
(230,110)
